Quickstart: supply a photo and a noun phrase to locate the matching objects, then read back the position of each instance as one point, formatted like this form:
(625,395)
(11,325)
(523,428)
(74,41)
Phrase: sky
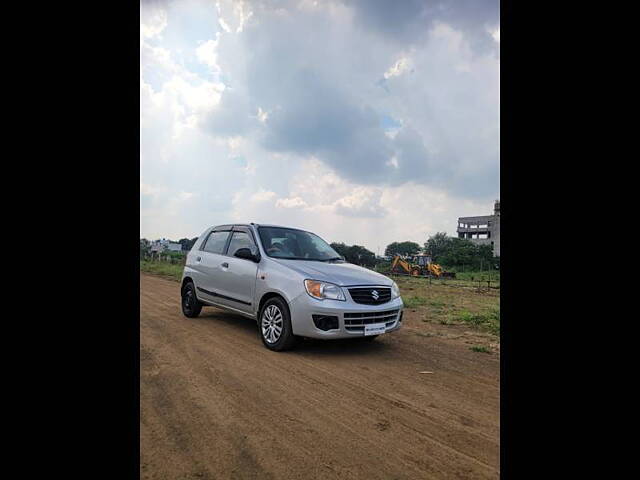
(363,121)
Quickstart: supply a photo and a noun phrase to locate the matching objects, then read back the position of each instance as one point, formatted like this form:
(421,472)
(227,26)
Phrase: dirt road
(214,403)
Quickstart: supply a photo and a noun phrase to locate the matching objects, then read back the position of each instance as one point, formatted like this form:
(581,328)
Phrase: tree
(361,256)
(145,247)
(187,244)
(459,251)
(341,248)
(437,245)
(485,256)
(402,248)
(356,254)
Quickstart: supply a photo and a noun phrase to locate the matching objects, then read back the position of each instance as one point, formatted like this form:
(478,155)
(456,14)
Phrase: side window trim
(206,239)
(203,240)
(226,244)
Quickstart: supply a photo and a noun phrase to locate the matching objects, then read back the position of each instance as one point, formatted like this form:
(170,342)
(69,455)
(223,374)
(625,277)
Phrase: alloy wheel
(272,324)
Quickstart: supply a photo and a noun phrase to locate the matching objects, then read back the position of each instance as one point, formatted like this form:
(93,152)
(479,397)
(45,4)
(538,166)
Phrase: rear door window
(216,242)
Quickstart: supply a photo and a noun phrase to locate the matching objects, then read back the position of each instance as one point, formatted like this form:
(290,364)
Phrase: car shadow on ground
(338,347)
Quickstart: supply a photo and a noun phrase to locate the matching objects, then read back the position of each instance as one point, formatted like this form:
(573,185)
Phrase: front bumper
(304,307)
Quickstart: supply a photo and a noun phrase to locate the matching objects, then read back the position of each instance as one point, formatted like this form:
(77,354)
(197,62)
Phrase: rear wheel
(191,306)
(275,325)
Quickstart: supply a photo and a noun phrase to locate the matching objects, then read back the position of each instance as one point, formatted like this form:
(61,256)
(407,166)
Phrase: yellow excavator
(418,266)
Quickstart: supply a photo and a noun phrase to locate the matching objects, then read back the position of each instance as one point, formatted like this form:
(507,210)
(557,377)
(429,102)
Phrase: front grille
(355,322)
(367,295)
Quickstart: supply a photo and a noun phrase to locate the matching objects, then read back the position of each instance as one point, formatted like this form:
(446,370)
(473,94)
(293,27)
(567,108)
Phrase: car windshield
(295,245)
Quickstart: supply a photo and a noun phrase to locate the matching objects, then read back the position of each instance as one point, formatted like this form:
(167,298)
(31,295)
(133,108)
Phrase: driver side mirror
(247,255)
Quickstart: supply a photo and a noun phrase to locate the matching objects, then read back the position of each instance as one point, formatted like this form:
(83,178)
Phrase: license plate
(374,329)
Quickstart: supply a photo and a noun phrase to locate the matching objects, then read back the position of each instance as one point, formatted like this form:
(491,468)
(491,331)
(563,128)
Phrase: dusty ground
(214,403)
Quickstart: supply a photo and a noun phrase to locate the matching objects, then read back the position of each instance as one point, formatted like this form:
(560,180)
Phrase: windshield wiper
(330,259)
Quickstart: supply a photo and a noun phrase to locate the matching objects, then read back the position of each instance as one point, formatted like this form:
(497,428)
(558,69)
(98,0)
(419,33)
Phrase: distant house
(157,247)
(163,245)
(174,247)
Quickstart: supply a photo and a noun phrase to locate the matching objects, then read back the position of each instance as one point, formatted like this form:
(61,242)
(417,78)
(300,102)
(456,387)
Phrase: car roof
(254,224)
(230,225)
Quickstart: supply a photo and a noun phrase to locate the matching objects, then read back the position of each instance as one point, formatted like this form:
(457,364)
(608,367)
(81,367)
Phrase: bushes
(401,248)
(458,252)
(355,254)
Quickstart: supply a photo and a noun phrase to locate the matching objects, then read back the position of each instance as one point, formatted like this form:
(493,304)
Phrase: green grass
(469,276)
(462,279)
(165,269)
(480,349)
(414,301)
(446,304)
(463,275)
(488,320)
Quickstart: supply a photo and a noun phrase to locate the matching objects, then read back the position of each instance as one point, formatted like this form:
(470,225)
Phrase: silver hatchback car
(291,282)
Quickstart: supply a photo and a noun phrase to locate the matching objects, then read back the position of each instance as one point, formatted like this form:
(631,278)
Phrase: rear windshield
(295,244)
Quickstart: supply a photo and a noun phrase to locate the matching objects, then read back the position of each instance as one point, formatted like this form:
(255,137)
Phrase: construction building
(483,230)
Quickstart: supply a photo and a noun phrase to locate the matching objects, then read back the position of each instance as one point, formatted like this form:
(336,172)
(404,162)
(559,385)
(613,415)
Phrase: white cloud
(495,34)
(153,24)
(294,202)
(262,196)
(182,196)
(208,55)
(318,200)
(397,68)
(243,14)
(151,190)
(279,114)
(262,116)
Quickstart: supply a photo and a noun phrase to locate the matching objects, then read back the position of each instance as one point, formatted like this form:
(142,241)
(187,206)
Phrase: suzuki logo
(374,294)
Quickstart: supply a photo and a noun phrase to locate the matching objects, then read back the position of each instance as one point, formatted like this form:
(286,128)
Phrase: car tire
(274,325)
(191,306)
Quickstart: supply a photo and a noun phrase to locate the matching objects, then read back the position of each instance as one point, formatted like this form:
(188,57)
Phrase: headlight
(395,291)
(323,290)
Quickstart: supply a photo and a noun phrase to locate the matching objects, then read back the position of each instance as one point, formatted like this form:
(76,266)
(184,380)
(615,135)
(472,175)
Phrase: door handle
(198,259)
(225,265)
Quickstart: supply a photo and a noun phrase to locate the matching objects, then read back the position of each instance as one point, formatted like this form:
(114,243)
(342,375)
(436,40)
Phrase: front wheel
(275,325)
(191,306)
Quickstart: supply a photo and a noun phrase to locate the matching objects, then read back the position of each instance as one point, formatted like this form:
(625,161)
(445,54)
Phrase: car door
(211,262)
(240,276)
